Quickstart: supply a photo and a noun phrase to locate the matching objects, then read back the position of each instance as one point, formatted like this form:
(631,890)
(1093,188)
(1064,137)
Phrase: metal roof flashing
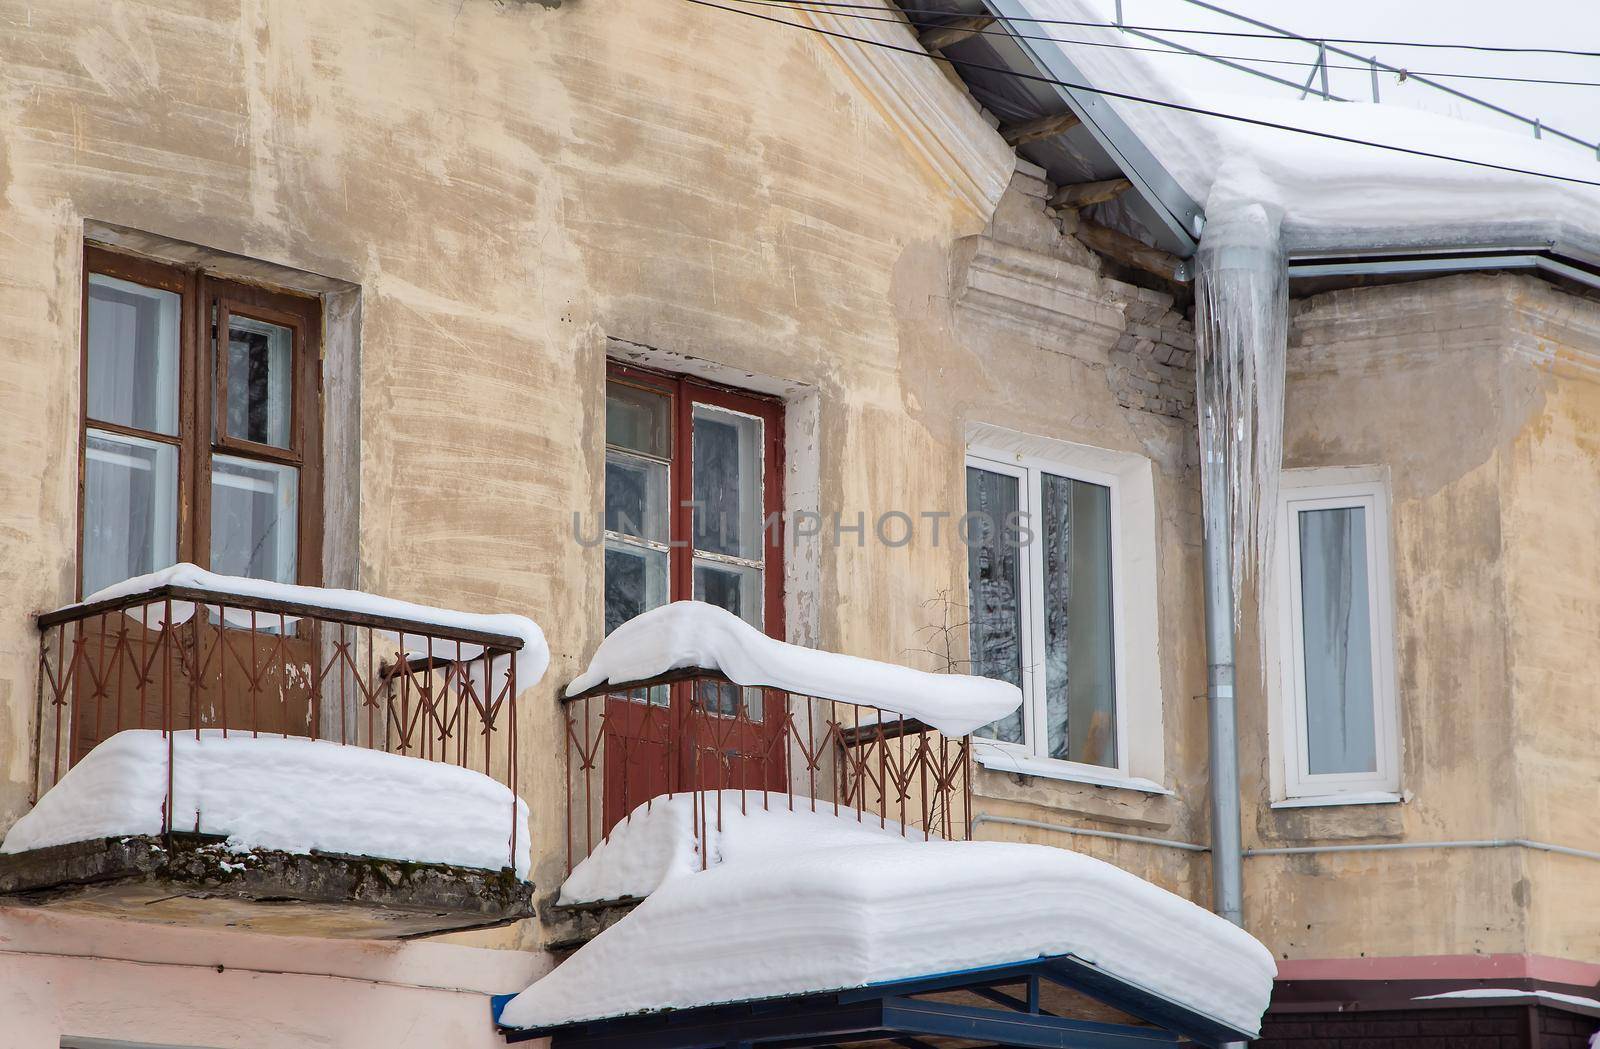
(1558,252)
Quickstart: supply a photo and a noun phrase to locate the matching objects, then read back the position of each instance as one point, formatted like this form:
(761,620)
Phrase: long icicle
(1241,325)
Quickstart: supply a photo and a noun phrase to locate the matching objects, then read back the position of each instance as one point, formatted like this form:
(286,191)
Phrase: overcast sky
(1572,24)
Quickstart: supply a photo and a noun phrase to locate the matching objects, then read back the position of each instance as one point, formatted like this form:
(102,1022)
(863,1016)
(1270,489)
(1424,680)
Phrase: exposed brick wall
(1559,1029)
(1153,361)
(1497,1027)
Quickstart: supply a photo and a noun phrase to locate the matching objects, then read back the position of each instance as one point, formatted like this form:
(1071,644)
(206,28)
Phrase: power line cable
(801,5)
(1161,103)
(1501,49)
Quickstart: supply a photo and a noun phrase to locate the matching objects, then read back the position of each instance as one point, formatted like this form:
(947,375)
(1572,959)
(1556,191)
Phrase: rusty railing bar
(289,608)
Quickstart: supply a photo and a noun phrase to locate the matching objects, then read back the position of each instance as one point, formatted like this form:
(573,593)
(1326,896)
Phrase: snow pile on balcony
(1331,193)
(282,793)
(824,917)
(695,634)
(532,660)
(658,841)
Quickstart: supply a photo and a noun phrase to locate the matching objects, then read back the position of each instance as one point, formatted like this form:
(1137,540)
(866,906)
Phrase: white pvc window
(1040,539)
(1336,641)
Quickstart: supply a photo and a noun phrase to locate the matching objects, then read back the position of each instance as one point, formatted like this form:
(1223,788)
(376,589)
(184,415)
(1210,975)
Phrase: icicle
(1242,331)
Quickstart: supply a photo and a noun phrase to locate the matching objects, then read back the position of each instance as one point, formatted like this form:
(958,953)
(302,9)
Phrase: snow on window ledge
(1514,996)
(1005,759)
(1371,797)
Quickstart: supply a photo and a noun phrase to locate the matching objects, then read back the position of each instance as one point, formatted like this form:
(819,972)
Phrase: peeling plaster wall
(1054,349)
(509,187)
(1479,395)
(1552,560)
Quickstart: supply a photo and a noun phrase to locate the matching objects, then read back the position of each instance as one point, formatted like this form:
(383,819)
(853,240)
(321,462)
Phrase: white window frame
(1140,744)
(1329,489)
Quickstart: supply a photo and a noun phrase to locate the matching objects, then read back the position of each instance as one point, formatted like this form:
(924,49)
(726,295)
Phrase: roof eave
(1169,215)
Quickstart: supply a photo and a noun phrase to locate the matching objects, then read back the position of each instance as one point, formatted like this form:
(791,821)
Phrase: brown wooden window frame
(206,302)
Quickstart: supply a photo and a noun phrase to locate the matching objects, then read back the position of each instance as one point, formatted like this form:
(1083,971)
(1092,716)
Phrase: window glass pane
(994,580)
(734,587)
(130,508)
(637,499)
(1079,679)
(260,382)
(638,420)
(254,518)
(727,482)
(636,581)
(133,355)
(1337,639)
(636,496)
(738,589)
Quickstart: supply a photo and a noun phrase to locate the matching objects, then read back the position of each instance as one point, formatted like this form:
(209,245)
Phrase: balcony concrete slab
(196,880)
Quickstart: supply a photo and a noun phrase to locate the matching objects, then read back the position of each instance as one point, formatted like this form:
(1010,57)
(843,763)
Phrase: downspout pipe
(1241,331)
(1227,879)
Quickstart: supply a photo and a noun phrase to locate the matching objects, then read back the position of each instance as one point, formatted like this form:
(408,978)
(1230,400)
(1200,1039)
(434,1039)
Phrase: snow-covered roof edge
(1545,241)
(1171,216)
(695,634)
(531,661)
(1461,208)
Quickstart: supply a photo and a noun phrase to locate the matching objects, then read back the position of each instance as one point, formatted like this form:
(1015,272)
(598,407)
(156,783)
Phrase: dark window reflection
(994,579)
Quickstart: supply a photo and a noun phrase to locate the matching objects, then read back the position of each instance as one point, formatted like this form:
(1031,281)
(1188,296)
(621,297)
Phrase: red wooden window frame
(685,393)
(656,749)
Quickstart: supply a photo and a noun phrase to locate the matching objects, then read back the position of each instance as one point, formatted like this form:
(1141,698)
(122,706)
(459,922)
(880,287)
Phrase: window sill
(1375,797)
(1050,768)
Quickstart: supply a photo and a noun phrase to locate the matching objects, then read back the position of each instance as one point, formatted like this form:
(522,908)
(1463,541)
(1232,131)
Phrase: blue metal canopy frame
(894,1012)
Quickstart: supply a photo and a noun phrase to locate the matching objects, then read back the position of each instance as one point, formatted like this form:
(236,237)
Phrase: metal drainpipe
(1241,305)
(1227,890)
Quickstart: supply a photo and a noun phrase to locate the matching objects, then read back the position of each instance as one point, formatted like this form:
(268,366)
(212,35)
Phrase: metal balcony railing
(179,660)
(694,731)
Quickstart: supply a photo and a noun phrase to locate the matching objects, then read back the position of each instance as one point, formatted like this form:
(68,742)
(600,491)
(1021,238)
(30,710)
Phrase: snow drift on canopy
(816,917)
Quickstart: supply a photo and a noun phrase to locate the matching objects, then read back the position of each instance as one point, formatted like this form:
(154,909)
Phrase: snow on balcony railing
(689,699)
(187,652)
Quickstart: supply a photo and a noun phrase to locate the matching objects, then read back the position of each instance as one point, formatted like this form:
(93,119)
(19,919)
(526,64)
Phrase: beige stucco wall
(1552,535)
(506,185)
(1478,395)
(509,186)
